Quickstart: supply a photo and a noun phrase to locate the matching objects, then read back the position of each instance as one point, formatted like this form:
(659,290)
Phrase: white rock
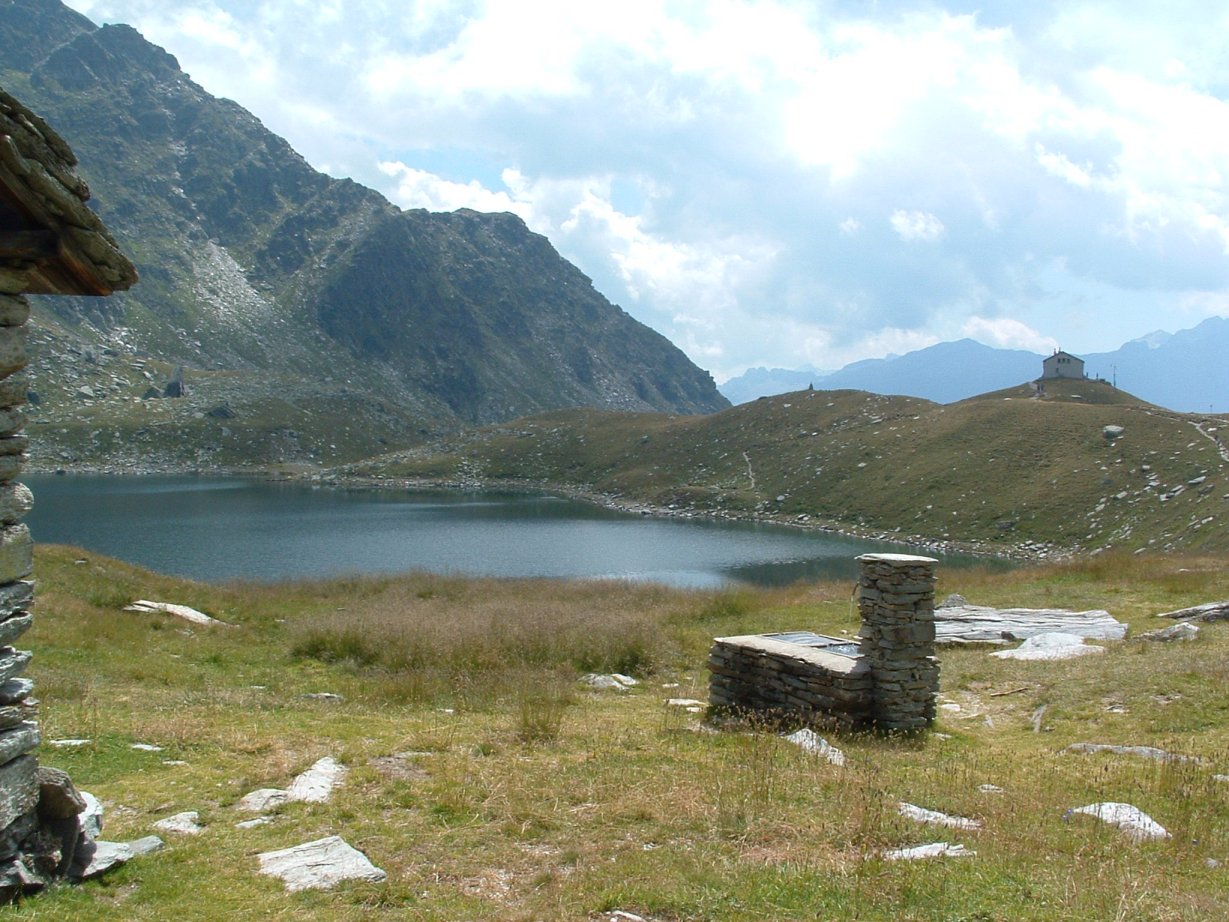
(264,799)
(91,817)
(186,823)
(170,608)
(146,747)
(990,789)
(108,855)
(810,741)
(684,703)
(614,681)
(1137,824)
(935,818)
(1052,646)
(68,744)
(933,850)
(1183,630)
(956,621)
(316,785)
(319,865)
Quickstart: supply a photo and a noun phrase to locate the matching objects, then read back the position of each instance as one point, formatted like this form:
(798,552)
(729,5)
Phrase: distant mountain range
(317,319)
(1184,371)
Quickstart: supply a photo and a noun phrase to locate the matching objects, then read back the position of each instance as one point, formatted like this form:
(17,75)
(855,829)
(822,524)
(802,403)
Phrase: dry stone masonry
(888,679)
(50,243)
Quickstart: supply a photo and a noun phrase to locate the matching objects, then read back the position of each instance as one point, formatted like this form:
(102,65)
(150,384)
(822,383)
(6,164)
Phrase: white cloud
(419,189)
(779,182)
(1005,333)
(916,225)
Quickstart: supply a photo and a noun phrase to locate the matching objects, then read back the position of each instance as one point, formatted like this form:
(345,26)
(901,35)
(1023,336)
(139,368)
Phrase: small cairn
(896,598)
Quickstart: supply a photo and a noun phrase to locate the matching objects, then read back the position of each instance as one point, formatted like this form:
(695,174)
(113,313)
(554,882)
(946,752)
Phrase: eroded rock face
(253,262)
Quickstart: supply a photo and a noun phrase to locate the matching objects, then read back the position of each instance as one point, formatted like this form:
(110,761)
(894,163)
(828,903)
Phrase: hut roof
(47,231)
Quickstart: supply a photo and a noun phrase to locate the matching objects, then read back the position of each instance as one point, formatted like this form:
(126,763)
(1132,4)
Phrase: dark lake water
(218,529)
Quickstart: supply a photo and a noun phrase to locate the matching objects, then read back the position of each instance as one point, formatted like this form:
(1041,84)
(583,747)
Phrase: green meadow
(489,783)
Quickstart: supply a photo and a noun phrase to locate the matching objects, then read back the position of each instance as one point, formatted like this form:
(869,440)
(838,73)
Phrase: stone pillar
(20,781)
(896,598)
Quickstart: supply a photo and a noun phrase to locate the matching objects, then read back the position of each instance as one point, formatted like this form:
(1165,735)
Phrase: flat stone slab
(13,662)
(933,850)
(809,656)
(1137,824)
(264,799)
(315,786)
(1143,752)
(935,818)
(1051,646)
(963,623)
(614,680)
(808,740)
(109,855)
(319,865)
(187,823)
(170,608)
(1183,630)
(1210,611)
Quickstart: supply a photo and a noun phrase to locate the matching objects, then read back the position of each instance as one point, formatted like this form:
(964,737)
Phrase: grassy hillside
(996,471)
(489,784)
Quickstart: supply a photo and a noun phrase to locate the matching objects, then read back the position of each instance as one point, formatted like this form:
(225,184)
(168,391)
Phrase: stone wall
(757,673)
(892,681)
(50,243)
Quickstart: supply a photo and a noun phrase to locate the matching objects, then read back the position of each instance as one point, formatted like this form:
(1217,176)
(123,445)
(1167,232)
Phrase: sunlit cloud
(778,182)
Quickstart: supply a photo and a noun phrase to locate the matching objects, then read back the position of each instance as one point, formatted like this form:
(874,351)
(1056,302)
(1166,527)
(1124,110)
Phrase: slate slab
(319,865)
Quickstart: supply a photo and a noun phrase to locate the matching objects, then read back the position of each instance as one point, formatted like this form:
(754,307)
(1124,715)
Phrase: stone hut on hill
(50,243)
(1062,365)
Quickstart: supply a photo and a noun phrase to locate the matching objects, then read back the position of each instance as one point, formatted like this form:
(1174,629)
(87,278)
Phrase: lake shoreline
(340,479)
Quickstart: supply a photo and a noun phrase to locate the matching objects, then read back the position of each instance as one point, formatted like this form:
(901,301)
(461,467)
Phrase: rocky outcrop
(278,287)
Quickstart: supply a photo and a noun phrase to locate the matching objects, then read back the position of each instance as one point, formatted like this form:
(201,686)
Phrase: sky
(777,183)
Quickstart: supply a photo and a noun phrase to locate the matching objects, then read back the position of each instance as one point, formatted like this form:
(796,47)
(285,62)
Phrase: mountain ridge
(1180,371)
(266,279)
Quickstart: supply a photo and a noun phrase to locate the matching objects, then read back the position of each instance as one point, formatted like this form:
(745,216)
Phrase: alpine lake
(218,529)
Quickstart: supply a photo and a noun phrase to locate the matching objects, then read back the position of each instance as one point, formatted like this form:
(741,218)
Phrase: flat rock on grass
(1137,824)
(1183,630)
(1144,752)
(933,850)
(935,818)
(314,786)
(186,823)
(614,680)
(108,855)
(170,608)
(809,741)
(959,622)
(319,865)
(1052,646)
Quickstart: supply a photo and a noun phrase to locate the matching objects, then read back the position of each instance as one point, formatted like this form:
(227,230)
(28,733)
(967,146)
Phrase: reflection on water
(218,529)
